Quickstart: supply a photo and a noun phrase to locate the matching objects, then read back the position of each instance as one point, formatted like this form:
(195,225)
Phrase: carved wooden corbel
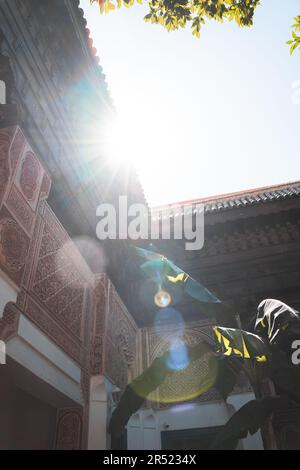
(9,323)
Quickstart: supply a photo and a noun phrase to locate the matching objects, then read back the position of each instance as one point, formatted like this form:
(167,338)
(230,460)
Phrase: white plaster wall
(34,351)
(100,410)
(8,293)
(135,437)
(144,428)
(97,436)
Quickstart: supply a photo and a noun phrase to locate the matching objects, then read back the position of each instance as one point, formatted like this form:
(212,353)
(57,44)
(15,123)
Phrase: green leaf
(293,47)
(247,419)
(181,12)
(285,376)
(295,42)
(240,343)
(229,369)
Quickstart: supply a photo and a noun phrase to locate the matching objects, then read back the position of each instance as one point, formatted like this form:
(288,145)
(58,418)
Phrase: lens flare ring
(162,299)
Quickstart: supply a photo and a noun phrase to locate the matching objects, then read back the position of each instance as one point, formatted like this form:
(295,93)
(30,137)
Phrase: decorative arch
(69,430)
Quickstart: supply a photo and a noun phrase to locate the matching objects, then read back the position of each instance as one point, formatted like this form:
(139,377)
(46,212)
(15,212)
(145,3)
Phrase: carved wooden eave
(40,91)
(89,51)
(44,69)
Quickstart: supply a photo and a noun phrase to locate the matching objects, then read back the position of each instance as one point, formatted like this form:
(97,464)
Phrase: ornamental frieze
(121,328)
(29,176)
(21,178)
(14,245)
(56,332)
(57,282)
(17,205)
(114,338)
(115,367)
(5,142)
(246,240)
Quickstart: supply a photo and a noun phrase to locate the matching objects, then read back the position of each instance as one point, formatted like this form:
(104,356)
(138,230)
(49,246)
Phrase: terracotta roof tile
(246,198)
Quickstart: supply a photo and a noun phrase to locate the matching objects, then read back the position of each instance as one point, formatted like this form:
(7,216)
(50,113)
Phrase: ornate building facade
(72,317)
(59,312)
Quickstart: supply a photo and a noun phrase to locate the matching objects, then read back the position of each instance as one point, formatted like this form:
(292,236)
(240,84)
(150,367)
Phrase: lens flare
(182,408)
(191,375)
(169,325)
(162,299)
(179,357)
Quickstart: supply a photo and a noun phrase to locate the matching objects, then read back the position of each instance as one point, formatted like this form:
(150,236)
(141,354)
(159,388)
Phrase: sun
(144,142)
(123,141)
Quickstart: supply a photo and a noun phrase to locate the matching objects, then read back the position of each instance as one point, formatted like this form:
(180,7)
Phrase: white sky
(203,117)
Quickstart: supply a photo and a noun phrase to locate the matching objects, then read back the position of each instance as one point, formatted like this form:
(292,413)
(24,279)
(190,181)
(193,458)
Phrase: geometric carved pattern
(97,355)
(194,333)
(115,367)
(16,203)
(28,179)
(5,140)
(182,384)
(101,300)
(100,296)
(55,277)
(54,287)
(114,337)
(185,384)
(53,293)
(262,236)
(57,283)
(52,329)
(14,245)
(29,175)
(125,338)
(120,340)
(120,328)
(20,178)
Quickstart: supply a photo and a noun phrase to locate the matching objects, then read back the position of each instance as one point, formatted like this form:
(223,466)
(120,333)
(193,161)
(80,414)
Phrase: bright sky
(203,117)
